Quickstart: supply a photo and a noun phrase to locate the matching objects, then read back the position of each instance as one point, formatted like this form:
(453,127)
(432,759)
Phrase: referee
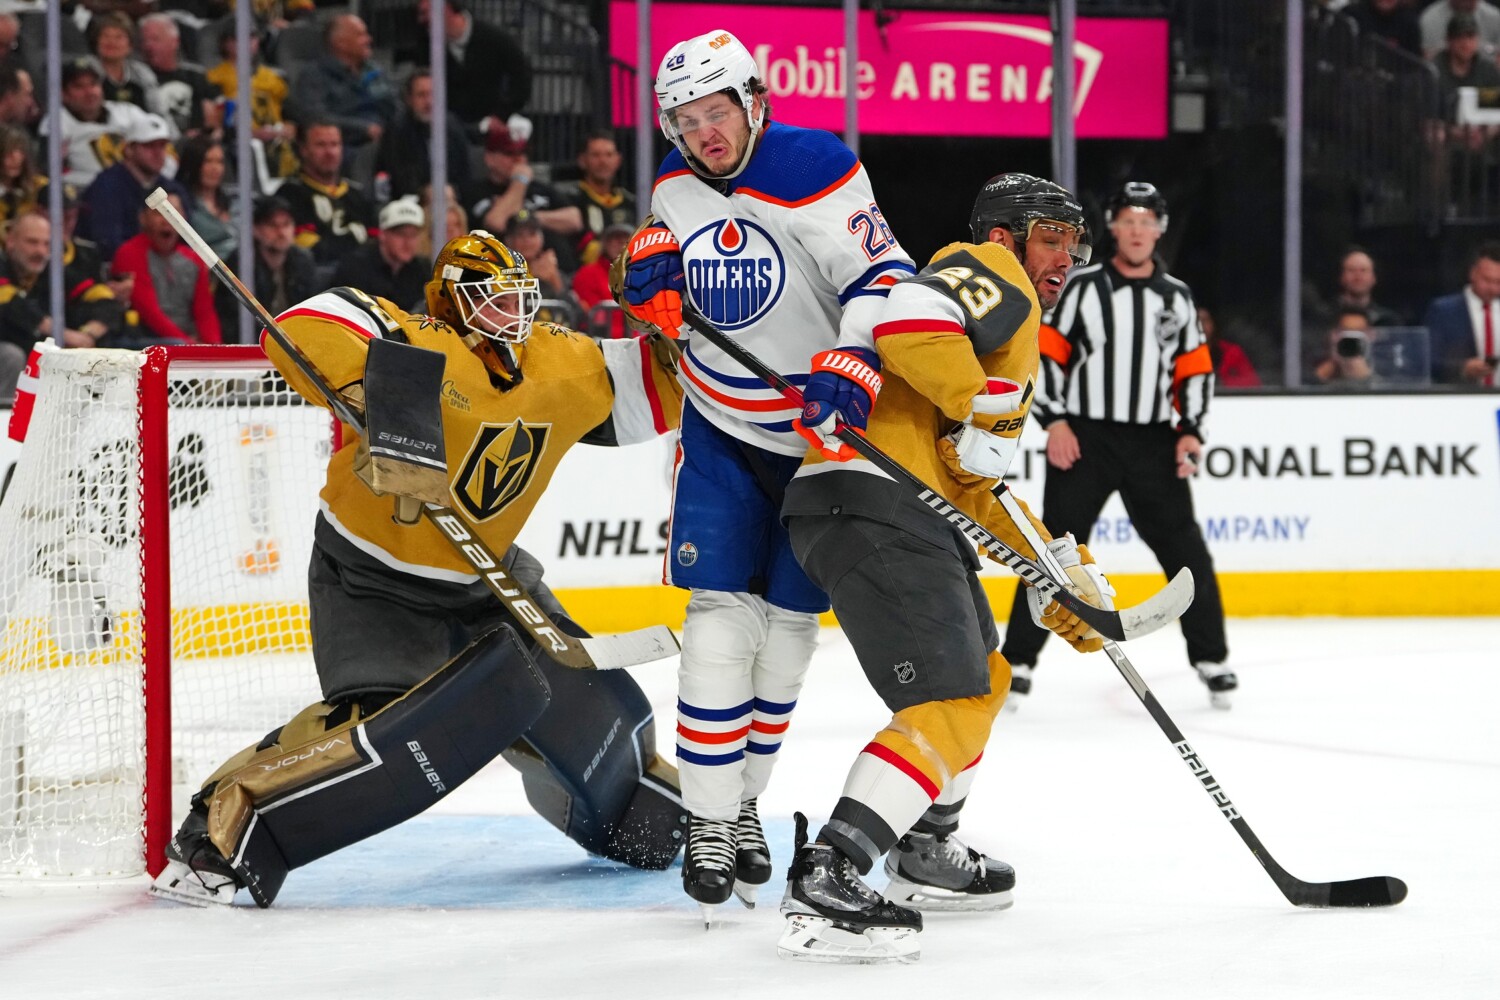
(1124,352)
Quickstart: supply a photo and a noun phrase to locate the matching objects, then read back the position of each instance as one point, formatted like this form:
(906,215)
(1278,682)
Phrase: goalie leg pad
(301,799)
(589,767)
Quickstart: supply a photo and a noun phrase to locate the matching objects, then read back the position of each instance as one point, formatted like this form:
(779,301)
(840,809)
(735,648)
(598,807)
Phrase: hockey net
(153,605)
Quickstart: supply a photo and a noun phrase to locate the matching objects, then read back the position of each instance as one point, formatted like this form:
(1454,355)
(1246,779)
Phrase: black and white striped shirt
(1128,350)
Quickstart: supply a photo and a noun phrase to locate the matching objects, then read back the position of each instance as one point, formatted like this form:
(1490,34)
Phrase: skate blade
(746,892)
(180,884)
(1222,700)
(810,938)
(930,899)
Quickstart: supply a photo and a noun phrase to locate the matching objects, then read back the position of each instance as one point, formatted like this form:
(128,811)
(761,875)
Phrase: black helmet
(1014,200)
(1137,194)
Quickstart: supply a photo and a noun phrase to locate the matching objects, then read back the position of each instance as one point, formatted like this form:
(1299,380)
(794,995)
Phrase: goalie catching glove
(841,390)
(654,280)
(1086,581)
(978,451)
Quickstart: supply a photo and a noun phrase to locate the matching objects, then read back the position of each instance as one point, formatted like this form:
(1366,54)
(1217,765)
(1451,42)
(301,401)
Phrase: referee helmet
(1137,194)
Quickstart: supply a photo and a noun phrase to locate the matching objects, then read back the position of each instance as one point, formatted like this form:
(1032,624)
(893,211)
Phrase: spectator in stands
(93,129)
(404,153)
(457,220)
(17,97)
(1356,285)
(600,198)
(1436,18)
(334,217)
(524,235)
(1460,65)
(211,202)
(90,310)
(127,80)
(284,272)
(1347,359)
(345,87)
(591,283)
(390,266)
(1464,328)
(19,180)
(488,72)
(183,95)
(1232,367)
(509,186)
(172,293)
(111,205)
(268,94)
(1392,21)
(80,252)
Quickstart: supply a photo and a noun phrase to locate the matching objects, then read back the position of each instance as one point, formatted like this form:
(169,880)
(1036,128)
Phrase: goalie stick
(1164,606)
(600,652)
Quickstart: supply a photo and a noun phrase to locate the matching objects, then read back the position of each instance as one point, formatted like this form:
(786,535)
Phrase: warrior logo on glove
(654,280)
(840,392)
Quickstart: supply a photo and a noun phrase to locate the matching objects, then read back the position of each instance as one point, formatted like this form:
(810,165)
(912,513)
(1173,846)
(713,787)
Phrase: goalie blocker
(337,774)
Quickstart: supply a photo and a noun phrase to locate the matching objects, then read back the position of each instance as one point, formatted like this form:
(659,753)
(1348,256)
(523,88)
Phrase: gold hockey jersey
(970,315)
(503,447)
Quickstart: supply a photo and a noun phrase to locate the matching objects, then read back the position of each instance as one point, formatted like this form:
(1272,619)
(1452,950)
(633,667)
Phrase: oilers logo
(735,272)
(687,553)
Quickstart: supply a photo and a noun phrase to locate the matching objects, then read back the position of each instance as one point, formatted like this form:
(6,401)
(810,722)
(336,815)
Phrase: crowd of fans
(341,193)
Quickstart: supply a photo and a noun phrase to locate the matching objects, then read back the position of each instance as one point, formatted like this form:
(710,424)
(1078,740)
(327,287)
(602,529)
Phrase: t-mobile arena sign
(929,73)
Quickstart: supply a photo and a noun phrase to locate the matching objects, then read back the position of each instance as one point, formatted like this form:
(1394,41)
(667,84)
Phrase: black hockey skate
(1020,685)
(938,872)
(196,873)
(1220,680)
(708,863)
(752,856)
(832,916)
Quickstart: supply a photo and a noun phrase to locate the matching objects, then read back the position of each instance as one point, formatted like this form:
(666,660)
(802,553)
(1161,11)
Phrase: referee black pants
(1138,460)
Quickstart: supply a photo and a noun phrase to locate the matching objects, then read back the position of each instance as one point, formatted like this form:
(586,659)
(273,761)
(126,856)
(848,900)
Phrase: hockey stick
(1164,606)
(600,652)
(1375,890)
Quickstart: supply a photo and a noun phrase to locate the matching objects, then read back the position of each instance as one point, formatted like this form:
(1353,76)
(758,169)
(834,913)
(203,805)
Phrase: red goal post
(153,609)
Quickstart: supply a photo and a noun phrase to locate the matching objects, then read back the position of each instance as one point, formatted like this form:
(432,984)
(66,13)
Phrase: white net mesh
(245,459)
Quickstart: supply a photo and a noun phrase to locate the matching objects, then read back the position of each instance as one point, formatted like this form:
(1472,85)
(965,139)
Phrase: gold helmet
(484,289)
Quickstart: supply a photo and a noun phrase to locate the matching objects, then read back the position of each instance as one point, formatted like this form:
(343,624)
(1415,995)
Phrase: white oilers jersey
(89,147)
(790,258)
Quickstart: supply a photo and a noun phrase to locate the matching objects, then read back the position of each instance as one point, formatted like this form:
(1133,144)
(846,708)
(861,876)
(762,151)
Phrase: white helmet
(707,64)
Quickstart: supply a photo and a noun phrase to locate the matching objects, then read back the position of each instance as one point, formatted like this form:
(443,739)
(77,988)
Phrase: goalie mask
(483,289)
(712,63)
(1031,207)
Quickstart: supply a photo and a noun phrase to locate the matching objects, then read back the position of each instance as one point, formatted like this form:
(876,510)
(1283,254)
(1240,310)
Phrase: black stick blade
(1377,890)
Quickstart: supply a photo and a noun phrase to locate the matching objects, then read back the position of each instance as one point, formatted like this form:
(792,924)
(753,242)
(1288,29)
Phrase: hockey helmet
(484,289)
(1017,202)
(1137,194)
(712,63)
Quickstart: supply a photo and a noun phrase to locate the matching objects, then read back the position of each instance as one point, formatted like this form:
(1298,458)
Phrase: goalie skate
(933,873)
(196,873)
(832,916)
(752,856)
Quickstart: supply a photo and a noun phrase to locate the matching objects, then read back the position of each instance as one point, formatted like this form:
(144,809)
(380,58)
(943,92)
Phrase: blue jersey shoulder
(792,163)
(673,163)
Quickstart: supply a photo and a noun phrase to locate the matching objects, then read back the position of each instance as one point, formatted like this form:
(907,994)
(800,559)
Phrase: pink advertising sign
(930,73)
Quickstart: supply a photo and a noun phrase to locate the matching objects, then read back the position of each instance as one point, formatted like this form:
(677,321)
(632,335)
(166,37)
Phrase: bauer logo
(905,672)
(499,466)
(735,272)
(687,553)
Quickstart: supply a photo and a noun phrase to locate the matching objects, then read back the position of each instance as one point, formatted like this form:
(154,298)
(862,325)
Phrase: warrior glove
(978,451)
(1086,581)
(840,391)
(654,280)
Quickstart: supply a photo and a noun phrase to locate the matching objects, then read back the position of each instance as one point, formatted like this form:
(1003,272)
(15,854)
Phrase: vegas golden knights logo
(499,467)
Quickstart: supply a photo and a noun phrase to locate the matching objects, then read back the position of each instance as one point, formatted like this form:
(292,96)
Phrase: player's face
(1136,231)
(1052,248)
(716,130)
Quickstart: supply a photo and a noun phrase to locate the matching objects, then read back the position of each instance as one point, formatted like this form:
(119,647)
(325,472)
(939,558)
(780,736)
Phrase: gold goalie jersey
(969,316)
(502,446)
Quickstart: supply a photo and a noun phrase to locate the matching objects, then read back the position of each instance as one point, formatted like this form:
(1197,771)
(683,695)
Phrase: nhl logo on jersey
(687,553)
(905,672)
(735,272)
(1168,325)
(499,466)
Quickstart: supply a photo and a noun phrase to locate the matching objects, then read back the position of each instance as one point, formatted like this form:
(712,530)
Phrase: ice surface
(1355,747)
